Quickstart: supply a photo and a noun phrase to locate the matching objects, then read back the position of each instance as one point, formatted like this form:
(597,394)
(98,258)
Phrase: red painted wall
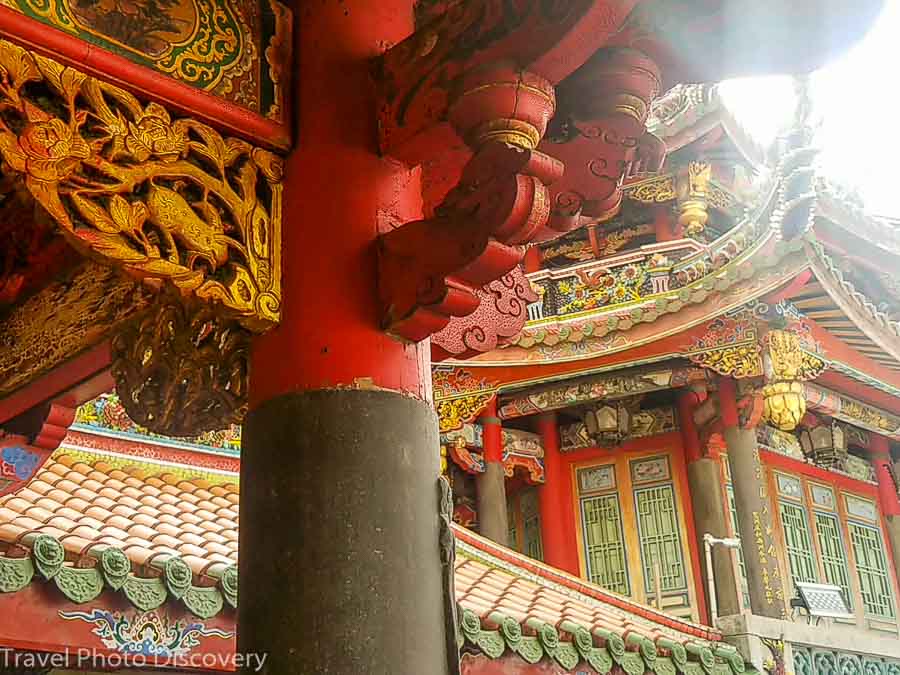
(33,622)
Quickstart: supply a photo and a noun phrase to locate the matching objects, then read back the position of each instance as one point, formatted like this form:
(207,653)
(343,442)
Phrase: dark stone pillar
(710,509)
(704,478)
(491,485)
(340,561)
(754,514)
(492,517)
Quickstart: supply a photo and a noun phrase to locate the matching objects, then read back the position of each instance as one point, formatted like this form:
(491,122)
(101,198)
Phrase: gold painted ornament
(165,200)
(693,198)
(784,404)
(453,413)
(787,366)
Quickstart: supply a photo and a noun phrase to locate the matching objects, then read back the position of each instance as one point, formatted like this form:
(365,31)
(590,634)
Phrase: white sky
(856,100)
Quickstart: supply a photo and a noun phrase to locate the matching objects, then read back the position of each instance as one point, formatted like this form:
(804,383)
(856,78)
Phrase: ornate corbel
(600,135)
(432,270)
(772,365)
(181,369)
(167,200)
(786,367)
(481,76)
(459,398)
(501,314)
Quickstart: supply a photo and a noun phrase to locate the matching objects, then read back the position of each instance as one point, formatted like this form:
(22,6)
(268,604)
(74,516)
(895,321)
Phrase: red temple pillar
(665,226)
(880,456)
(555,502)
(491,485)
(340,462)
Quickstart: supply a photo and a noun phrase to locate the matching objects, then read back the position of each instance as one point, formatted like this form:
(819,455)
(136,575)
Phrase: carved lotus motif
(49,149)
(52,149)
(154,134)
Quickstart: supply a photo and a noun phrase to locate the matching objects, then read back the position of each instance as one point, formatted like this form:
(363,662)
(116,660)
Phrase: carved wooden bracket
(599,135)
(441,91)
(431,270)
(501,314)
(167,200)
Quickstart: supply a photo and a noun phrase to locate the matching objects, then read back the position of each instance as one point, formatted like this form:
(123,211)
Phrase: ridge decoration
(111,569)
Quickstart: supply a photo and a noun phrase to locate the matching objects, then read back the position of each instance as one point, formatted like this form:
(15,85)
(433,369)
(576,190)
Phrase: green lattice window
(834,558)
(736,531)
(660,538)
(797,542)
(871,567)
(512,532)
(601,520)
(531,523)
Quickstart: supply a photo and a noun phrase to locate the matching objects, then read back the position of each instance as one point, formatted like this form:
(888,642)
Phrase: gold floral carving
(181,370)
(453,413)
(165,200)
(652,190)
(63,319)
(720,198)
(786,359)
(870,417)
(738,361)
(787,365)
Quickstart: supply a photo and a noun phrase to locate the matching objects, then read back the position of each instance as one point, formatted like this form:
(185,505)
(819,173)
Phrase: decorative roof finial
(804,106)
(802,128)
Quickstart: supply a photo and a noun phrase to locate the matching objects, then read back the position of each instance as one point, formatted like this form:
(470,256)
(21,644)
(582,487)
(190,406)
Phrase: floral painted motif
(603,288)
(729,347)
(146,634)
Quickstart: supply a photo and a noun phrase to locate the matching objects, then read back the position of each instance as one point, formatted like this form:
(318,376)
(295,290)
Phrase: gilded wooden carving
(64,318)
(166,200)
(787,365)
(692,193)
(655,190)
(459,398)
(181,370)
